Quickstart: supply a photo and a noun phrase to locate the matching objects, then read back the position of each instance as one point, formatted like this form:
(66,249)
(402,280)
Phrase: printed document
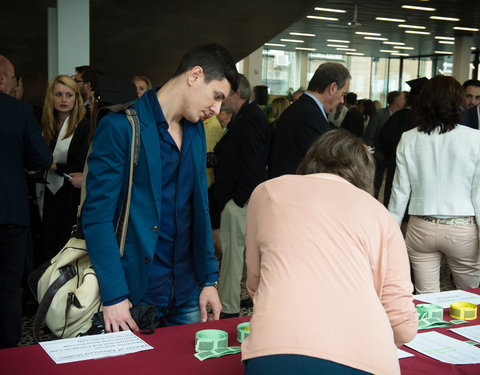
(471,332)
(444,299)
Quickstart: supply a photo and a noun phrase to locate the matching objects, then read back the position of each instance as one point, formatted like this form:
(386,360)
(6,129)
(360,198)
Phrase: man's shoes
(227,315)
(246,303)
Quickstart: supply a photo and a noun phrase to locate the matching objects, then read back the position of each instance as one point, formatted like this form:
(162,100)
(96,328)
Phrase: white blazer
(439,173)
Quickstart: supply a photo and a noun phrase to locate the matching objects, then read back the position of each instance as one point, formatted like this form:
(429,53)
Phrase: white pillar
(303,71)
(462,57)
(69,34)
(252,67)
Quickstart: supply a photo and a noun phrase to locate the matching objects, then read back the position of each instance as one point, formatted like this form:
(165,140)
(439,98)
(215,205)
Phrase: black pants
(12,262)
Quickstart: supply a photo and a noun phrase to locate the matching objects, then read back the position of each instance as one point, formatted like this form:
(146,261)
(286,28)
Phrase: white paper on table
(445,349)
(95,346)
(470,332)
(403,354)
(444,299)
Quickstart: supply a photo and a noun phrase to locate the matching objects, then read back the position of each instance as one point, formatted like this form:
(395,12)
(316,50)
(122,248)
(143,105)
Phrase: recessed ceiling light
(364,33)
(345,49)
(388,51)
(395,43)
(323,18)
(305,49)
(445,18)
(473,48)
(275,45)
(338,41)
(337,45)
(465,28)
(445,37)
(374,38)
(446,42)
(330,10)
(412,27)
(444,52)
(301,34)
(355,53)
(418,8)
(402,47)
(292,40)
(389,19)
(417,32)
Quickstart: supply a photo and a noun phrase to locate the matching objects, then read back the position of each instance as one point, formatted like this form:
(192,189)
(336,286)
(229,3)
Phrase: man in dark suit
(242,158)
(306,119)
(471,117)
(22,147)
(353,121)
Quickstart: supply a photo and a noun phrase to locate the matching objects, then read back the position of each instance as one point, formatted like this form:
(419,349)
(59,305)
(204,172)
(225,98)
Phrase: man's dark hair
(82,68)
(351,98)
(326,74)
(215,60)
(392,95)
(90,75)
(438,105)
(471,82)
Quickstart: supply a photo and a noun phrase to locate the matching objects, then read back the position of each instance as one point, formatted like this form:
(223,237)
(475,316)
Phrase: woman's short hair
(278,106)
(438,105)
(142,78)
(341,153)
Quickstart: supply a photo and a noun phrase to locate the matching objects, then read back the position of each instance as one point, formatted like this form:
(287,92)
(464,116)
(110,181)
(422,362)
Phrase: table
(173,354)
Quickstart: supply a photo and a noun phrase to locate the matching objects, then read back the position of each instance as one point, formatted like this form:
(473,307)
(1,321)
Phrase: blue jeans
(288,364)
(187,313)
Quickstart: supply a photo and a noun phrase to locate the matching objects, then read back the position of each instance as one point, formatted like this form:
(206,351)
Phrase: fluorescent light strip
(445,18)
(275,45)
(345,49)
(446,42)
(374,38)
(417,32)
(337,45)
(323,18)
(402,47)
(389,19)
(418,8)
(388,51)
(364,33)
(301,34)
(395,43)
(355,53)
(338,41)
(465,28)
(473,48)
(412,27)
(399,54)
(305,49)
(330,10)
(445,37)
(444,52)
(292,40)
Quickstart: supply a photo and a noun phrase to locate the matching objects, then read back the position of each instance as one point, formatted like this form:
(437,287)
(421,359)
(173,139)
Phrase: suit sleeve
(401,188)
(37,152)
(106,167)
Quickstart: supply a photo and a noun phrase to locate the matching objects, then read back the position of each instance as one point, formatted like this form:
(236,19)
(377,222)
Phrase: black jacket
(297,128)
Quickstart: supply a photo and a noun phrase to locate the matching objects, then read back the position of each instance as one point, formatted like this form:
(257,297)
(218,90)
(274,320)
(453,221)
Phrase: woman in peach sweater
(327,269)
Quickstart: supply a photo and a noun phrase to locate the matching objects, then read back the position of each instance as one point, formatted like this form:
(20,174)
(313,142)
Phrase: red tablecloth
(173,354)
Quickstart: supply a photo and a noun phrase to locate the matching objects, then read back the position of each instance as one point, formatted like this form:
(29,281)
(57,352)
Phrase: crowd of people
(289,204)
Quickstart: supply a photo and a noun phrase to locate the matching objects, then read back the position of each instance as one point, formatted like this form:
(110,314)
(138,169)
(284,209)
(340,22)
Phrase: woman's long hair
(49,114)
(340,152)
(438,105)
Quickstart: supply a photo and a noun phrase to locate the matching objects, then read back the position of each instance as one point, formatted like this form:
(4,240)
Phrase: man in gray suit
(395,102)
(22,147)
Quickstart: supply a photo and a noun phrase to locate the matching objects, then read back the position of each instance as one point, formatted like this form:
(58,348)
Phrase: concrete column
(68,36)
(252,67)
(462,57)
(303,73)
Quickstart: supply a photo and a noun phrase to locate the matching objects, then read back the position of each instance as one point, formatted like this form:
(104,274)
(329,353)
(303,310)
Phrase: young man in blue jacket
(168,260)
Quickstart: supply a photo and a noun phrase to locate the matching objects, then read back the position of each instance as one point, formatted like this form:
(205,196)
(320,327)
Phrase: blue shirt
(319,103)
(172,278)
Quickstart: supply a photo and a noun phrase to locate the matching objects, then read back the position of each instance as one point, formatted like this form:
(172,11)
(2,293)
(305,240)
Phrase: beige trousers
(232,235)
(426,242)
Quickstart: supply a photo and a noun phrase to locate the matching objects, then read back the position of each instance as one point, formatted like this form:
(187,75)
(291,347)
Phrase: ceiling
(148,37)
(367,10)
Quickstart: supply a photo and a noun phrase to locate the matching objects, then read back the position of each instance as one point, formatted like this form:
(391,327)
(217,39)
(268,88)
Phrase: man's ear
(332,88)
(194,75)
(2,78)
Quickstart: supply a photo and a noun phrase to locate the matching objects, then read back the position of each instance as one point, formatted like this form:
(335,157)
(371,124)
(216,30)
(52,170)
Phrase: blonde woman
(66,131)
(142,84)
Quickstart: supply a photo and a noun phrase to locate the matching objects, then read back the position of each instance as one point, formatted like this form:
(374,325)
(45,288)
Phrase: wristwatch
(211,283)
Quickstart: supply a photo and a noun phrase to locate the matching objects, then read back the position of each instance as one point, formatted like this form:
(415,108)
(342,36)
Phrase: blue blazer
(107,181)
(22,146)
